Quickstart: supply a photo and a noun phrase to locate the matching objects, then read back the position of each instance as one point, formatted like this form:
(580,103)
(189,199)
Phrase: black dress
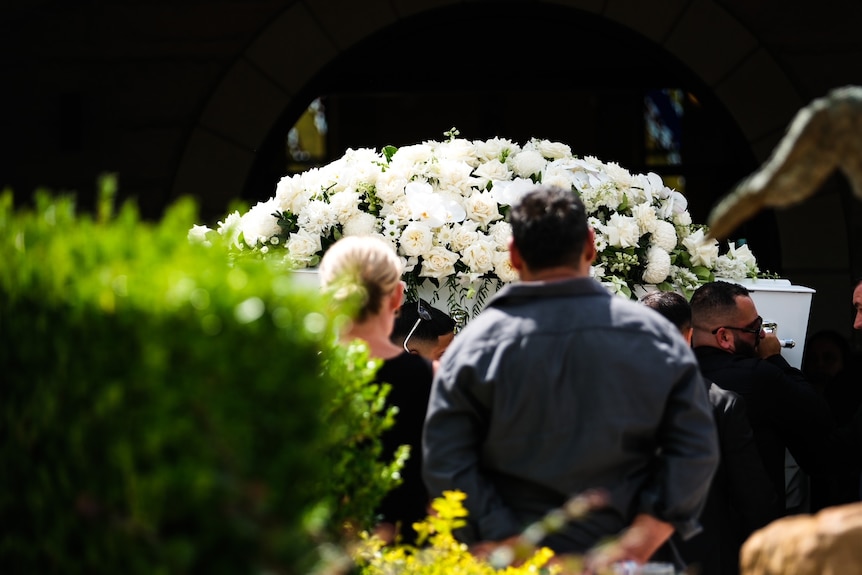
(410,377)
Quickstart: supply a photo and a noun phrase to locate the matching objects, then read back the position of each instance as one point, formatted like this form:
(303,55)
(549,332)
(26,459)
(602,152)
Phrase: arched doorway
(533,70)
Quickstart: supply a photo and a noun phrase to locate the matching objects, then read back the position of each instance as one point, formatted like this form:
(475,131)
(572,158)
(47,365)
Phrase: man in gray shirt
(558,388)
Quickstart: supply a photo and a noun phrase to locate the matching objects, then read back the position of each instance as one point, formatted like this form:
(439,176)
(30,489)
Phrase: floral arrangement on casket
(442,207)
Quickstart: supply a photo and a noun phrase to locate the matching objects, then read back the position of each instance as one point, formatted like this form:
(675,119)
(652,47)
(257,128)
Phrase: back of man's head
(426,330)
(713,302)
(671,305)
(549,227)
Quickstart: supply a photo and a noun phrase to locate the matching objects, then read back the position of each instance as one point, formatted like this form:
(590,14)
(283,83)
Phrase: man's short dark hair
(440,324)
(671,305)
(549,227)
(712,301)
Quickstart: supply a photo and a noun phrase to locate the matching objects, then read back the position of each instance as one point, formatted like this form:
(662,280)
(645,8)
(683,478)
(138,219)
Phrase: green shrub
(165,411)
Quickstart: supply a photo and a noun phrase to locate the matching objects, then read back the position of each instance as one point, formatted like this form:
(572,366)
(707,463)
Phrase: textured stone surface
(827,543)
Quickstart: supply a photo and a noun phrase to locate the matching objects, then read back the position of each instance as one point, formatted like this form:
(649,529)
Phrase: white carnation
(621,231)
(258,224)
(198,235)
(344,205)
(291,195)
(390,186)
(703,251)
(360,224)
(645,216)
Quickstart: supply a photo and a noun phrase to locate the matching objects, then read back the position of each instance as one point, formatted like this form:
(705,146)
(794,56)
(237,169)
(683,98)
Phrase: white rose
(645,216)
(703,252)
(479,256)
(621,231)
(657,265)
(463,235)
(416,239)
(553,150)
(482,208)
(682,219)
(743,254)
(503,267)
(438,263)
(360,224)
(491,171)
(527,163)
(303,246)
(664,235)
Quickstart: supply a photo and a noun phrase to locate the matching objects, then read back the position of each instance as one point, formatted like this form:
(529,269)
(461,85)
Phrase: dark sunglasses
(423,314)
(755,330)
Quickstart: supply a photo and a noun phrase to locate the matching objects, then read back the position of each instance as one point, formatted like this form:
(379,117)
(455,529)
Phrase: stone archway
(306,36)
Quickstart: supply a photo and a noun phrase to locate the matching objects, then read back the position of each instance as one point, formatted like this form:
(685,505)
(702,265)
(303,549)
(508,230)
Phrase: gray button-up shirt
(557,388)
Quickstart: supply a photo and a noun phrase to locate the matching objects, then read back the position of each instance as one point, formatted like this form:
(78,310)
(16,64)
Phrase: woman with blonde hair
(363,273)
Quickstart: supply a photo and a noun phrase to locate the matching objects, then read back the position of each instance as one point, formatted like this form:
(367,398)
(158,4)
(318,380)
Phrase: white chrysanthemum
(302,247)
(601,240)
(491,171)
(416,239)
(479,256)
(258,224)
(482,208)
(503,267)
(463,235)
(500,233)
(621,231)
(360,224)
(726,267)
(318,217)
(495,149)
(703,251)
(198,235)
(527,163)
(645,216)
(344,205)
(664,235)
(438,263)
(657,265)
(552,150)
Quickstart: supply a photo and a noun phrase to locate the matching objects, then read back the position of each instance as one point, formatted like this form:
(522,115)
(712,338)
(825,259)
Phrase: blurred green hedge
(166,410)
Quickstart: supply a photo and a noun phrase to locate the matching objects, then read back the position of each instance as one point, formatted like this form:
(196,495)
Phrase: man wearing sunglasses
(785,410)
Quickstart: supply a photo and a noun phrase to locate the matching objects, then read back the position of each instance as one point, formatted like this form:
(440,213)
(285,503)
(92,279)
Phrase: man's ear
(725,340)
(515,256)
(590,246)
(397,297)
